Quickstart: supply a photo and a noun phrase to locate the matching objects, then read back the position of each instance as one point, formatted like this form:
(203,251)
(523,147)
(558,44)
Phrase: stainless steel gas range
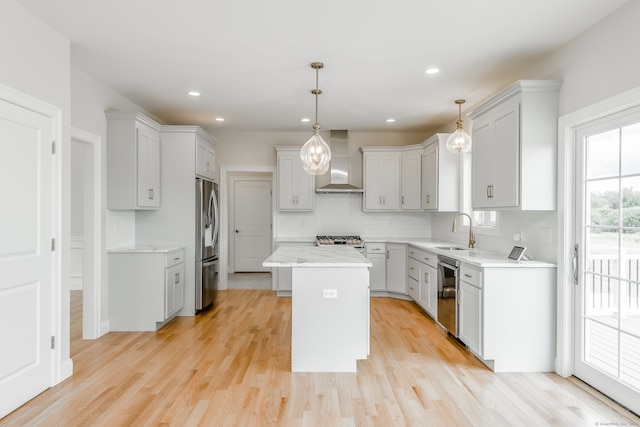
(353,241)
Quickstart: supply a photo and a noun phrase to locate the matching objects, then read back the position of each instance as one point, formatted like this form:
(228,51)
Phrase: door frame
(92,246)
(225,179)
(567,126)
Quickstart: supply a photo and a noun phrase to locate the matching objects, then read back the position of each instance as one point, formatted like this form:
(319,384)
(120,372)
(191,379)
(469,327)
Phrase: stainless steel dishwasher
(448,293)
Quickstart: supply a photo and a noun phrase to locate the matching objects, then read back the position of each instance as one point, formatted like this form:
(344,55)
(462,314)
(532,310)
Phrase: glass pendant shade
(315,155)
(459,141)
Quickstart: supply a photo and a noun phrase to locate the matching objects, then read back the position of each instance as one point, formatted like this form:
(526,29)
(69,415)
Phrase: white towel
(208,236)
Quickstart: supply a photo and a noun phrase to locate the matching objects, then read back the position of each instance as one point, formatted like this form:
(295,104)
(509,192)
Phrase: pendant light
(459,141)
(315,153)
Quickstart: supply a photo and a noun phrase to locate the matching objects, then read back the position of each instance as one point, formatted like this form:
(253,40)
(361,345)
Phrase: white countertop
(477,257)
(317,256)
(146,249)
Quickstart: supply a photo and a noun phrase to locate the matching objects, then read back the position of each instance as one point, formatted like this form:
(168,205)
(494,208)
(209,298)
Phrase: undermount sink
(450,248)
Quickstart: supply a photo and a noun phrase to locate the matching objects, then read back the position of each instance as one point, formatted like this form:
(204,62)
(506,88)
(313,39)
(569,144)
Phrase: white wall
(35,60)
(598,64)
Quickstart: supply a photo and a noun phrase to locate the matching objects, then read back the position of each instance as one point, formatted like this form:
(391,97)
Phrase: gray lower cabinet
(375,253)
(397,268)
(146,288)
(422,268)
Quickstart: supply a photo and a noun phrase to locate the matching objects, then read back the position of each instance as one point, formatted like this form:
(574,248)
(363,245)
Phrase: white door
(252,220)
(607,335)
(26,261)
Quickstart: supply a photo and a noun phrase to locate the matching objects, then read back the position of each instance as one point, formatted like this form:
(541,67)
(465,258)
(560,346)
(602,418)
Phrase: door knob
(237,231)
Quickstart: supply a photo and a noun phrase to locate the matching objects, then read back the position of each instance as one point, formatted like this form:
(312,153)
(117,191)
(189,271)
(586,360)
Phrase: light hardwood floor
(230,367)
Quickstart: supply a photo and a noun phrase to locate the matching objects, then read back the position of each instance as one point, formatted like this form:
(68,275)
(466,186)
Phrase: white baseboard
(105,327)
(66,370)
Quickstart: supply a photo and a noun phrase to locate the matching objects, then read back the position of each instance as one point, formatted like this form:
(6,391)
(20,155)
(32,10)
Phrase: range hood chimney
(339,167)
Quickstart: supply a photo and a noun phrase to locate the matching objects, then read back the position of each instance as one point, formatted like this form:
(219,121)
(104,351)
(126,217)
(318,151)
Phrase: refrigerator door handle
(210,263)
(215,219)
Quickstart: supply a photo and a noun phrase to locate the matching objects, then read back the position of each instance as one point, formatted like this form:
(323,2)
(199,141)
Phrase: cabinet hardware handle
(177,278)
(425,258)
(177,258)
(150,194)
(410,268)
(403,200)
(387,254)
(467,275)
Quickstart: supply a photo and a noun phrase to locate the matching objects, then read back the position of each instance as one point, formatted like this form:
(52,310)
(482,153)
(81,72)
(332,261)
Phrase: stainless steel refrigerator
(207,259)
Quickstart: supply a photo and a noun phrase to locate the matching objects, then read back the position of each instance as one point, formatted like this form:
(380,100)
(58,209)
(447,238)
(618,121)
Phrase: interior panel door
(252,217)
(26,230)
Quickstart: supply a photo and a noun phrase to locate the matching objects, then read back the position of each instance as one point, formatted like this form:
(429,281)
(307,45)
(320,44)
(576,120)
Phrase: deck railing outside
(604,285)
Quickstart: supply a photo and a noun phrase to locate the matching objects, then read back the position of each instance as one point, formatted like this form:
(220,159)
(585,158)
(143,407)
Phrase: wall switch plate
(330,293)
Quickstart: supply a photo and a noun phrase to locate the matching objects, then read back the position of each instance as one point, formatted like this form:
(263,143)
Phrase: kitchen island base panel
(330,319)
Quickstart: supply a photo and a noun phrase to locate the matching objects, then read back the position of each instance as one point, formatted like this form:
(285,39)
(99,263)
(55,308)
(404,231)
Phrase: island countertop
(317,256)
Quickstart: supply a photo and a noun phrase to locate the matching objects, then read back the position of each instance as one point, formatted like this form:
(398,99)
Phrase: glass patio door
(607,268)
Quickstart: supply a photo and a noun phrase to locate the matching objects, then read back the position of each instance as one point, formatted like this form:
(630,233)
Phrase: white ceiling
(250,58)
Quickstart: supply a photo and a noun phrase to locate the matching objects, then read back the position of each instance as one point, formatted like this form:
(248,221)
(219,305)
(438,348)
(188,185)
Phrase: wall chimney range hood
(339,167)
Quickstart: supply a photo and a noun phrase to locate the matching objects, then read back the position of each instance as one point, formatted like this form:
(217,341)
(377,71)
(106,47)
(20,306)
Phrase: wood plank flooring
(230,367)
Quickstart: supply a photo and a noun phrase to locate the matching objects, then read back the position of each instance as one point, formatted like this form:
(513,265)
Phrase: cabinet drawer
(471,276)
(424,256)
(174,258)
(375,248)
(413,268)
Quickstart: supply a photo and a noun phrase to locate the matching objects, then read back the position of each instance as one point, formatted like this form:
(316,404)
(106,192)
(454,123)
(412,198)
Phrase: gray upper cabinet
(515,148)
(133,161)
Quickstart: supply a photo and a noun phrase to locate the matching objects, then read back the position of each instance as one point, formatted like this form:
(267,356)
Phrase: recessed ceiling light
(219,119)
(305,120)
(391,120)
(432,70)
(193,93)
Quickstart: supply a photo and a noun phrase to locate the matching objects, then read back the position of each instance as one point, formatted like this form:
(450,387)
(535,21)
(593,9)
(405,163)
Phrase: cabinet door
(397,268)
(305,187)
(506,134)
(482,163)
(205,160)
(495,159)
(391,182)
(377,272)
(470,320)
(414,288)
(148,164)
(425,283)
(430,178)
(174,290)
(295,187)
(432,299)
(372,182)
(381,181)
(411,180)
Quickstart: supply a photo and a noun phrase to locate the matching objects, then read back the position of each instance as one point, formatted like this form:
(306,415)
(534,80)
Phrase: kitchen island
(330,306)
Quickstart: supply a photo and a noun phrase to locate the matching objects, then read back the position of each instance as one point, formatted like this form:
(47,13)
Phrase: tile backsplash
(341,214)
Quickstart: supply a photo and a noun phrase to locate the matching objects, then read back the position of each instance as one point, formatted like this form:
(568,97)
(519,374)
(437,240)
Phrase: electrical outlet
(330,293)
